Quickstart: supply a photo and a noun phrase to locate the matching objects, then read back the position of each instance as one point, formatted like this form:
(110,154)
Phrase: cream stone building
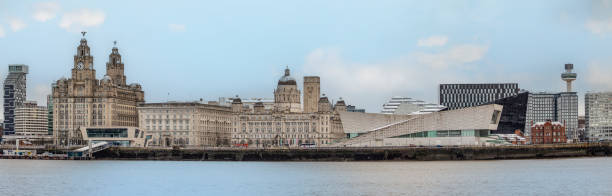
(287,94)
(287,125)
(31,119)
(186,124)
(84,101)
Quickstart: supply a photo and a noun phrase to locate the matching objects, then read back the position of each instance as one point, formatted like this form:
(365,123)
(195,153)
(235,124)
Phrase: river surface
(576,176)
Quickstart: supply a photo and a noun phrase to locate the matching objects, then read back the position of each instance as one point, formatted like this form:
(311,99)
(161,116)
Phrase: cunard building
(84,101)
(287,124)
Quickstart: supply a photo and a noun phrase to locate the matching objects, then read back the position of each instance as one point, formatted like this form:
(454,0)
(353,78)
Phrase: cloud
(177,27)
(599,26)
(371,84)
(457,55)
(436,40)
(81,19)
(45,11)
(1,32)
(599,75)
(39,93)
(600,19)
(16,24)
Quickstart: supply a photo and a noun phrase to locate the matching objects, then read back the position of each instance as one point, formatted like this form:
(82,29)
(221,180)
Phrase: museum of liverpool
(467,126)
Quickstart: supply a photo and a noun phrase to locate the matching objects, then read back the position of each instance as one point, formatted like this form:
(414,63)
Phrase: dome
(237,100)
(323,100)
(287,79)
(134,85)
(106,78)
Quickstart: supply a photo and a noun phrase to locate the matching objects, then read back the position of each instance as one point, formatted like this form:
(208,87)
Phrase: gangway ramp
(98,146)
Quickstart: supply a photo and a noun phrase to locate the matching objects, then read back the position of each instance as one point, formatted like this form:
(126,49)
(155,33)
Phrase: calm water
(582,176)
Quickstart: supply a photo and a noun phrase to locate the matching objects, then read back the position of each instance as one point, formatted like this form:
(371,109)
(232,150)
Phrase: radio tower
(568,76)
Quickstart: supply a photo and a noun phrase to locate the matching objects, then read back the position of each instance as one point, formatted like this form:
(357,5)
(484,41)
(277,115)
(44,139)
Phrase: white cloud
(177,27)
(1,32)
(16,24)
(600,19)
(39,93)
(371,84)
(599,75)
(79,20)
(436,40)
(457,55)
(45,11)
(599,26)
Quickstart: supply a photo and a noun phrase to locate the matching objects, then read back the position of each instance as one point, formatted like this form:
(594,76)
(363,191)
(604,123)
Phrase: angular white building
(405,105)
(467,126)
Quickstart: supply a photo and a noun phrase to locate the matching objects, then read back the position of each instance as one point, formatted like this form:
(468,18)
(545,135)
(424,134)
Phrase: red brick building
(548,133)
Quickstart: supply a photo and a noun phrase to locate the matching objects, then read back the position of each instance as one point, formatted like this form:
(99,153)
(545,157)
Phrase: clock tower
(114,67)
(83,62)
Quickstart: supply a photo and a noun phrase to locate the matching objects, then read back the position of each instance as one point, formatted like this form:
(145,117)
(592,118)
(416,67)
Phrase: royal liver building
(83,100)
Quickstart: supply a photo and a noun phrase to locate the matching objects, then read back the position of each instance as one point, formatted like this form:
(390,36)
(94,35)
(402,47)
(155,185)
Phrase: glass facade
(108,133)
(598,116)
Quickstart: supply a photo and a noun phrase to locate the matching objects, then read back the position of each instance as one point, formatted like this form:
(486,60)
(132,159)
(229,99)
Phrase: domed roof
(287,79)
(323,99)
(237,100)
(106,78)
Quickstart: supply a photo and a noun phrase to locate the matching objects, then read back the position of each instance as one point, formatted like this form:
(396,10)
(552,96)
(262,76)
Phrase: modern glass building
(598,116)
(560,107)
(14,95)
(513,115)
(457,96)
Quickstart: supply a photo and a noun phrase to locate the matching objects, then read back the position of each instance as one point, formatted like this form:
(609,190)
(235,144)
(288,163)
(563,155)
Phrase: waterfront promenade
(354,154)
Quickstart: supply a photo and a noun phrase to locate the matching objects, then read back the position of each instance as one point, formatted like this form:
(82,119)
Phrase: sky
(364,51)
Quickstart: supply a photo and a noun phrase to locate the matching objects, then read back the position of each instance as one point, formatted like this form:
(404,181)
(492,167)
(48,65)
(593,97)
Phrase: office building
(186,124)
(84,101)
(556,107)
(14,95)
(598,116)
(456,96)
(50,114)
(513,116)
(31,119)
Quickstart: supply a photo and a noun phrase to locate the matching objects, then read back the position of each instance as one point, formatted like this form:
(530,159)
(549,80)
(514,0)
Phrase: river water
(576,176)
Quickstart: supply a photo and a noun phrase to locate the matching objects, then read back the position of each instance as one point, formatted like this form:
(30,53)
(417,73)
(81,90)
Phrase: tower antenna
(83,32)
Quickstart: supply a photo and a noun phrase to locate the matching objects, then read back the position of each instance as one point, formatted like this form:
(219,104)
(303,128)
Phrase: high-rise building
(287,94)
(559,107)
(456,96)
(405,105)
(513,116)
(50,113)
(598,116)
(84,101)
(14,95)
(31,119)
(312,91)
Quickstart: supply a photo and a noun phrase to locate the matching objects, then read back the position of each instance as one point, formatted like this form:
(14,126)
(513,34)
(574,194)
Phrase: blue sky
(364,51)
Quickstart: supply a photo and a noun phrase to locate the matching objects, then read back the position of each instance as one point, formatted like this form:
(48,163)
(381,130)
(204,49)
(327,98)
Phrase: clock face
(80,65)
